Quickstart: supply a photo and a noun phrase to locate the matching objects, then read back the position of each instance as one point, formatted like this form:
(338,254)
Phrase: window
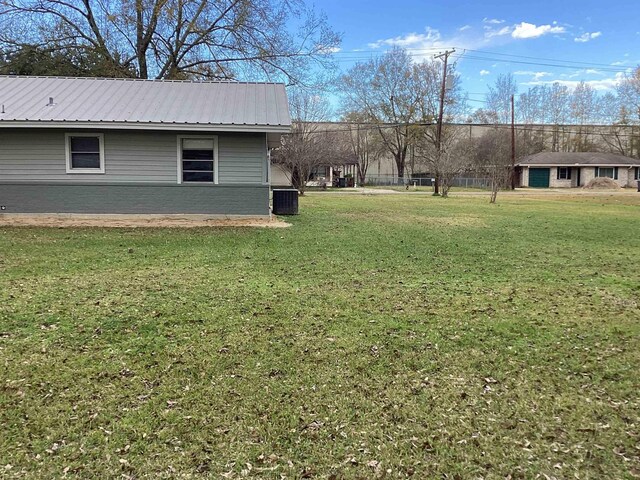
(319,172)
(637,175)
(85,152)
(609,172)
(564,173)
(198,160)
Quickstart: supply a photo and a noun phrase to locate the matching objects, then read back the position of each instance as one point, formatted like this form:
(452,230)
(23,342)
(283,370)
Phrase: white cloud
(424,45)
(581,73)
(535,75)
(484,72)
(529,30)
(431,38)
(464,27)
(600,85)
(492,21)
(331,50)
(490,32)
(586,36)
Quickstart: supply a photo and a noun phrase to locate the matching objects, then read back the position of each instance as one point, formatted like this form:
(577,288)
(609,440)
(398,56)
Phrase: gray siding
(134,198)
(38,155)
(242,158)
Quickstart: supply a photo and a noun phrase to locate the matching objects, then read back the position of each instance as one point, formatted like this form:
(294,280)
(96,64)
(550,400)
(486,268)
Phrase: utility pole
(443,89)
(513,144)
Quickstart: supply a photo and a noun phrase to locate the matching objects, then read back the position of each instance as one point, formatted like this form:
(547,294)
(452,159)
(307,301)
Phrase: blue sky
(594,41)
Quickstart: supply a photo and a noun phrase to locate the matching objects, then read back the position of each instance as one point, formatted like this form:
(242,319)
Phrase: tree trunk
(362,175)
(297,181)
(494,191)
(140,52)
(399,158)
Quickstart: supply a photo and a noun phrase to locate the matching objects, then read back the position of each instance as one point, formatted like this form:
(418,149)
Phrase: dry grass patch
(392,218)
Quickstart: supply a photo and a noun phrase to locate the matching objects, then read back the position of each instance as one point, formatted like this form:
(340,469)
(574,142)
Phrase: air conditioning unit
(285,201)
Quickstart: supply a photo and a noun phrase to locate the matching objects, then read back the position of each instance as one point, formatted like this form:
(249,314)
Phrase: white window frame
(67,145)
(567,175)
(215,157)
(613,176)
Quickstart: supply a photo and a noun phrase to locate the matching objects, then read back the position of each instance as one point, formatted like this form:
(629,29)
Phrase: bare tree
(629,94)
(498,97)
(309,144)
(612,112)
(582,108)
(455,157)
(384,89)
(629,101)
(222,39)
(530,111)
(439,155)
(556,105)
(483,116)
(364,142)
(492,159)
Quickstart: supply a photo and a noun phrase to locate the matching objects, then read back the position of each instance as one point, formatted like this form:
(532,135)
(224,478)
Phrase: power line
(540,58)
(544,61)
(523,62)
(539,128)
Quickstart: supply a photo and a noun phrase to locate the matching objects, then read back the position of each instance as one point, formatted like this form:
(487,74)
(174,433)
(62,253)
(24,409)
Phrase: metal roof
(151,104)
(578,158)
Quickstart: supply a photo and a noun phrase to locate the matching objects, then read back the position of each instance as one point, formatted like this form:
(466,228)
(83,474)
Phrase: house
(330,173)
(576,169)
(124,146)
(327,174)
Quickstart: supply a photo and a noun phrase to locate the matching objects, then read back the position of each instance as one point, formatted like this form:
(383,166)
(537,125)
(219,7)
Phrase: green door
(539,177)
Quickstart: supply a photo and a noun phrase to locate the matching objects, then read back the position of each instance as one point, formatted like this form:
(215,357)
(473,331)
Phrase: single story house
(576,169)
(331,172)
(125,146)
(324,174)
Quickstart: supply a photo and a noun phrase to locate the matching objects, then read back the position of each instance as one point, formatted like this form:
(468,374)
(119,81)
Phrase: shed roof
(151,104)
(577,158)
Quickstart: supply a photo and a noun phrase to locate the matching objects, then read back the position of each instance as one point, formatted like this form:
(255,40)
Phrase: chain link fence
(392,180)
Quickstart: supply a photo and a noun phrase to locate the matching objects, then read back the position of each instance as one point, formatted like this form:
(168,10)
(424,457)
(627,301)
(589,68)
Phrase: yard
(379,336)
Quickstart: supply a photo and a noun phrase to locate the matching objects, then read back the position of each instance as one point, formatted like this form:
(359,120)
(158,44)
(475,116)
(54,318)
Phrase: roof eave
(205,127)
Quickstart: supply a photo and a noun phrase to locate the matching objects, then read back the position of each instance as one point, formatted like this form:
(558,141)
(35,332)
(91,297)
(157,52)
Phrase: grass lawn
(379,336)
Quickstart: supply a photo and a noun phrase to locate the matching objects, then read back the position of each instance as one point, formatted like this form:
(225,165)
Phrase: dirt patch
(136,221)
(602,183)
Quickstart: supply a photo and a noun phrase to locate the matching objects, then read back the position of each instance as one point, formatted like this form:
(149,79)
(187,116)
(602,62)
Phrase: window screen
(85,152)
(197,160)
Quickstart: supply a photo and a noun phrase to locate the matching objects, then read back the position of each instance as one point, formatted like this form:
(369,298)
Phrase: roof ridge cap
(151,80)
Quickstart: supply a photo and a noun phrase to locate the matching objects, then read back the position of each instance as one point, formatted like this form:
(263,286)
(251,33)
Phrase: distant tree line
(391,106)
(556,106)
